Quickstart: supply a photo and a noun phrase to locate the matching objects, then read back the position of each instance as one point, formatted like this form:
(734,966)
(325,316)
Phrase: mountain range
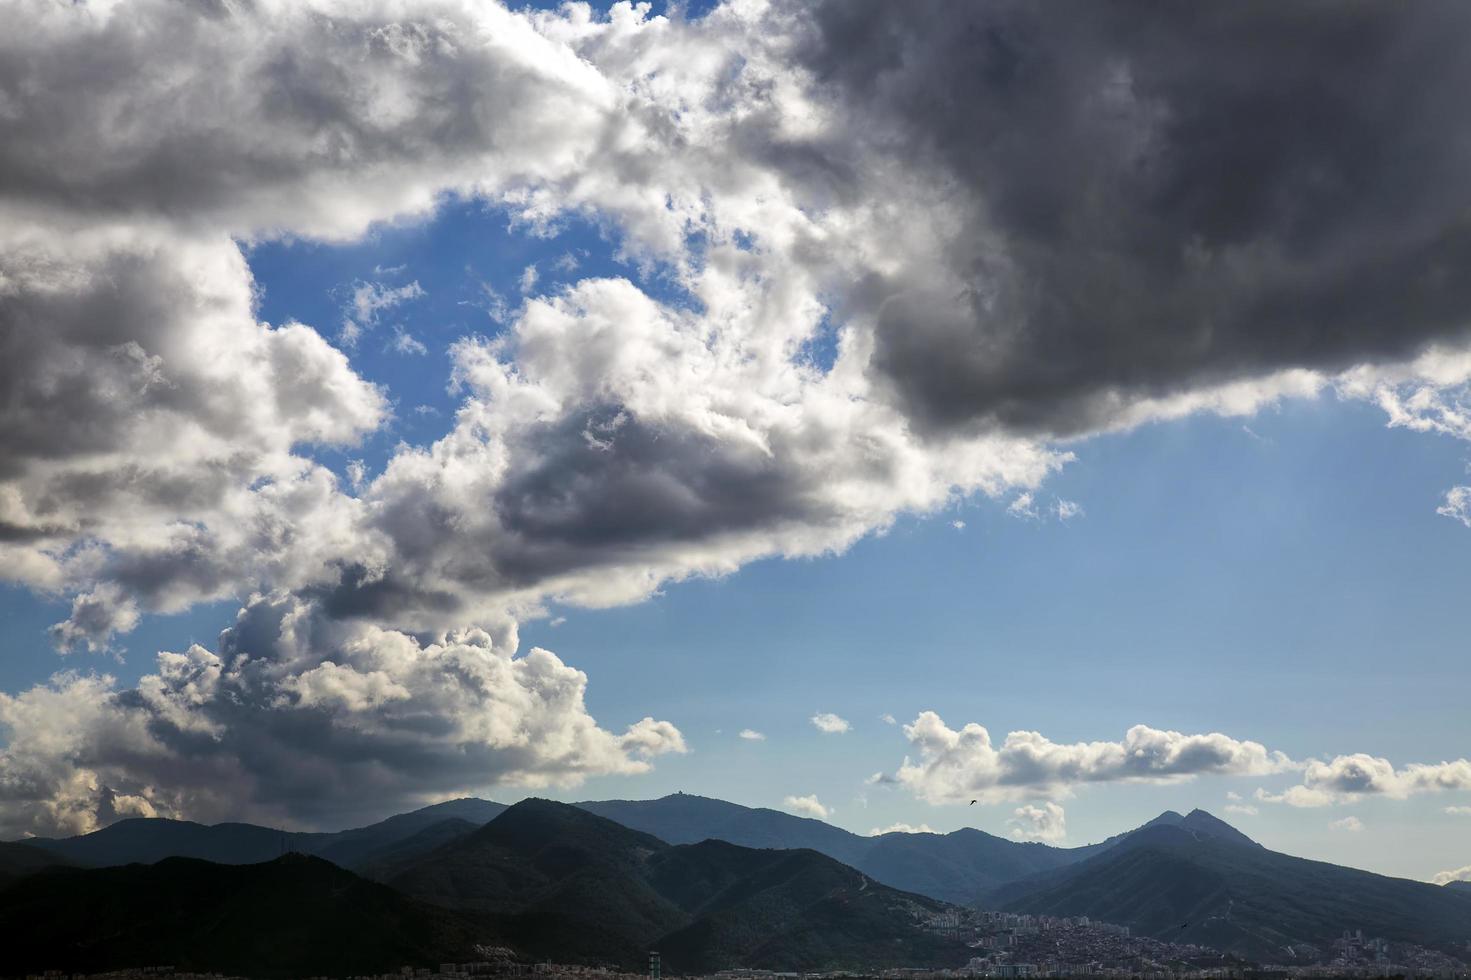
(716,884)
(959,867)
(556,878)
(547,879)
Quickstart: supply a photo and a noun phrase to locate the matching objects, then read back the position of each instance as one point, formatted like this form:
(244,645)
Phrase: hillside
(145,840)
(18,860)
(142,840)
(294,916)
(1196,879)
(561,881)
(682,818)
(957,867)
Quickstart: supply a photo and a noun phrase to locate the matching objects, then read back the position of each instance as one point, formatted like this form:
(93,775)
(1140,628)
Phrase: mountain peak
(1202,822)
(1167,819)
(535,823)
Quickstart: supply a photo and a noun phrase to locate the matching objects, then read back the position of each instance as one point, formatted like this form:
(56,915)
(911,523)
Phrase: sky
(848,408)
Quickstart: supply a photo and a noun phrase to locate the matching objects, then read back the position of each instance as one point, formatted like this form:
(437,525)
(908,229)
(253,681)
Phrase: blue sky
(763,362)
(1284,578)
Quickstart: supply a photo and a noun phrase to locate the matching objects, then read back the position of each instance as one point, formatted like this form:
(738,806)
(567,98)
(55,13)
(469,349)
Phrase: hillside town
(1009,946)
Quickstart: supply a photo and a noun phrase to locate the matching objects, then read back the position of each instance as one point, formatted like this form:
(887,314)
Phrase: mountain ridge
(1221,889)
(556,877)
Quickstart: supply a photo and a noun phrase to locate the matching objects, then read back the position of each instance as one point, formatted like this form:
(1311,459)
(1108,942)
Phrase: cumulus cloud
(147,457)
(954,766)
(1458,874)
(1349,825)
(901,828)
(95,618)
(1464,811)
(807,806)
(751,735)
(297,718)
(1045,823)
(830,723)
(1242,809)
(789,170)
(1350,777)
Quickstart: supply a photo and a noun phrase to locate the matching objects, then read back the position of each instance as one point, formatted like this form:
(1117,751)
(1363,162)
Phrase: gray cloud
(291,118)
(1133,201)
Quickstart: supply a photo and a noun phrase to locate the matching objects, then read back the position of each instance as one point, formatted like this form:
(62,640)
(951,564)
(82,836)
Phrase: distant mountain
(1197,879)
(1460,886)
(368,845)
(682,818)
(147,840)
(563,882)
(294,916)
(957,867)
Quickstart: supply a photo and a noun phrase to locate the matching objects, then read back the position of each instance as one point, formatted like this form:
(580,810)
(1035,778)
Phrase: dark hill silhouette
(294,916)
(1196,879)
(141,840)
(18,860)
(145,840)
(561,881)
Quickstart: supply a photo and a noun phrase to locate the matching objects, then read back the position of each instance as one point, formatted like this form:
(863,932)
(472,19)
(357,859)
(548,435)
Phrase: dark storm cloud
(1155,197)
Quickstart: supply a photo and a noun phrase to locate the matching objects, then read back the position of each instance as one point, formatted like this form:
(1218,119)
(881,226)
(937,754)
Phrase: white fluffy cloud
(1047,823)
(1456,874)
(830,723)
(751,735)
(1349,777)
(1348,825)
(807,806)
(297,718)
(959,765)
